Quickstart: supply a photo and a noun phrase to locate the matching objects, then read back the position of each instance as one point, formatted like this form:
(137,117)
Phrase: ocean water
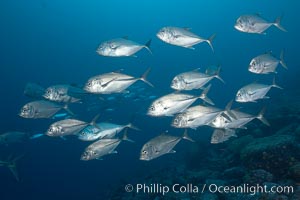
(54,42)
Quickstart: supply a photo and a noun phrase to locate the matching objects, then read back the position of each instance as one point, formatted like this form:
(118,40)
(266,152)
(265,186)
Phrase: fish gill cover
(126,99)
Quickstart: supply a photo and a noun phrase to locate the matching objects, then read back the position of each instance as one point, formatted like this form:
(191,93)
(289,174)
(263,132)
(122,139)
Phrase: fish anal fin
(172,151)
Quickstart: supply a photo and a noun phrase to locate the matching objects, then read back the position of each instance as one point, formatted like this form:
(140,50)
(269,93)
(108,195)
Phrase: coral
(295,172)
(258,176)
(274,153)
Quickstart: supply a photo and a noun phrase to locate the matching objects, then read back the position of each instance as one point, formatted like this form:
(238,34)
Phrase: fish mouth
(144,158)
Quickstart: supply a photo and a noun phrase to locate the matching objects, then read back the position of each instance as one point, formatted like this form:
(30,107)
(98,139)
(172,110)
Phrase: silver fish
(121,47)
(113,82)
(161,145)
(103,130)
(62,93)
(13,137)
(255,24)
(171,104)
(66,127)
(182,37)
(193,80)
(196,116)
(101,148)
(266,63)
(222,135)
(34,90)
(41,109)
(254,91)
(239,123)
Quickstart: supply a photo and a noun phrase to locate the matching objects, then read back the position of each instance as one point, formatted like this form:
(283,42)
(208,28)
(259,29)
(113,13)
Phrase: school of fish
(186,110)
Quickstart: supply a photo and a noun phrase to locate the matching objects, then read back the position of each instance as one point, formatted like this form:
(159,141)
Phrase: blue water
(54,42)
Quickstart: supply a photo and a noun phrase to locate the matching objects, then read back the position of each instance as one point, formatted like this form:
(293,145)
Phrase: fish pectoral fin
(113,152)
(108,82)
(63,138)
(99,158)
(266,97)
(172,151)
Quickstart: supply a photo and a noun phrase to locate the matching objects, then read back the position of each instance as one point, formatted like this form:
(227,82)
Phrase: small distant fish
(266,63)
(41,109)
(182,37)
(34,90)
(113,82)
(60,115)
(254,91)
(63,93)
(161,145)
(222,135)
(171,104)
(101,148)
(121,47)
(13,137)
(193,80)
(255,24)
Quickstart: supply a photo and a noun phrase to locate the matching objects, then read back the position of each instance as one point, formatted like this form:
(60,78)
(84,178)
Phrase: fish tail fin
(217,75)
(130,125)
(209,41)
(277,23)
(147,45)
(261,117)
(67,109)
(204,97)
(283,64)
(125,137)
(186,136)
(13,168)
(144,77)
(275,85)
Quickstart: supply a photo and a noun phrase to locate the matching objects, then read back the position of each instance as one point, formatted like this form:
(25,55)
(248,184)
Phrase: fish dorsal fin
(269,52)
(164,133)
(196,70)
(118,71)
(125,37)
(93,122)
(258,14)
(187,28)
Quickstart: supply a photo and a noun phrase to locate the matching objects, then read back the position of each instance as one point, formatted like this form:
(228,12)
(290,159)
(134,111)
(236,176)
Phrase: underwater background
(54,42)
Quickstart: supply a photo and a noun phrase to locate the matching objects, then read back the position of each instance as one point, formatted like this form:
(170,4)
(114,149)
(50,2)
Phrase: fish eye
(83,133)
(50,129)
(152,108)
(145,152)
